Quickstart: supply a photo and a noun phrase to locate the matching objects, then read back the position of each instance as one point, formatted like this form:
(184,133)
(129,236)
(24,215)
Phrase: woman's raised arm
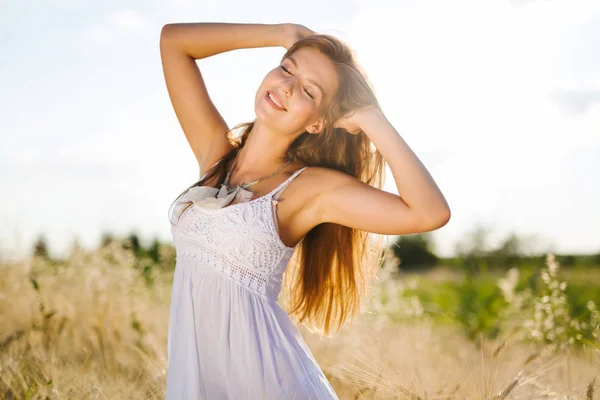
(204,39)
(183,43)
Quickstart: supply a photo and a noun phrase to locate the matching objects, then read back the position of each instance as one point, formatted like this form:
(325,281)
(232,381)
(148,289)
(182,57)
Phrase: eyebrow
(308,79)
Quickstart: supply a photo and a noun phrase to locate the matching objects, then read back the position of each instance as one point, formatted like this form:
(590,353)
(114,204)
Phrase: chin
(266,116)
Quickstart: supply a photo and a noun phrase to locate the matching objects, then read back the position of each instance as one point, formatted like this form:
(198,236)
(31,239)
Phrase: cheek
(300,114)
(272,79)
(304,107)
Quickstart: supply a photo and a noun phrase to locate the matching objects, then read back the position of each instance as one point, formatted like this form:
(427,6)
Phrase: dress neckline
(269,194)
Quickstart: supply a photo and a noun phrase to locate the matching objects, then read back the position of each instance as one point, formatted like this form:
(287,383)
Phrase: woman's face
(302,84)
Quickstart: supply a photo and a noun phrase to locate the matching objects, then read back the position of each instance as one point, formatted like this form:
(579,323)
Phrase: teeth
(275,101)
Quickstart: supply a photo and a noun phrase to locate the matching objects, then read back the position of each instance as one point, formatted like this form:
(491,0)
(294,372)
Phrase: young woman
(303,179)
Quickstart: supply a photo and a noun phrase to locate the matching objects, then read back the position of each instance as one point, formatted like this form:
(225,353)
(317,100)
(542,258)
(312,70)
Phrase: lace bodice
(241,240)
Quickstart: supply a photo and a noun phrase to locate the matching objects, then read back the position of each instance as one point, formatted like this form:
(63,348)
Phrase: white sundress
(228,337)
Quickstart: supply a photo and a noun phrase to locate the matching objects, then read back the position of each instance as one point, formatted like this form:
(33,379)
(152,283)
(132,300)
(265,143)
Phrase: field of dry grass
(94,329)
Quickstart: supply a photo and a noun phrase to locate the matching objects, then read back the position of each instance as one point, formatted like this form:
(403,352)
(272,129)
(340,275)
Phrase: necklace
(247,184)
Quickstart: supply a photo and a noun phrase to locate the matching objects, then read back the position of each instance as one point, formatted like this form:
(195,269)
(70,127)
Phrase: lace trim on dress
(240,240)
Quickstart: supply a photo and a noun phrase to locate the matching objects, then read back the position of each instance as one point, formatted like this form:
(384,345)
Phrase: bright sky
(499,99)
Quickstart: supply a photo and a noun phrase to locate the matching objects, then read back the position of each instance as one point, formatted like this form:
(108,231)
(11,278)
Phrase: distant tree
(133,243)
(512,245)
(473,249)
(106,239)
(509,252)
(596,259)
(567,260)
(414,251)
(40,247)
(154,250)
(474,243)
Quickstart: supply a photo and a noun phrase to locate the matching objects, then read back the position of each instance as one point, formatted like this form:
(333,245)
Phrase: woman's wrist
(288,33)
(371,116)
(282,34)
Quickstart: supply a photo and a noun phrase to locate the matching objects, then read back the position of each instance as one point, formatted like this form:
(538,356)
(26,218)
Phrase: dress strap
(277,191)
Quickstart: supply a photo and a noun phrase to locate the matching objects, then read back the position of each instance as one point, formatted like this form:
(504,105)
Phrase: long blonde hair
(334,266)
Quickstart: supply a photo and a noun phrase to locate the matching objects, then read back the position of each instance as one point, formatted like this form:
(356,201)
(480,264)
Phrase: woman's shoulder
(314,180)
(310,174)
(306,177)
(299,207)
(307,192)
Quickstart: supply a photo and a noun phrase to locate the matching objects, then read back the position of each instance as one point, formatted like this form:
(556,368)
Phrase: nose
(287,85)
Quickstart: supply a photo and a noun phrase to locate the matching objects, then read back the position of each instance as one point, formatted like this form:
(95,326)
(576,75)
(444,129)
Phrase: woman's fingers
(295,32)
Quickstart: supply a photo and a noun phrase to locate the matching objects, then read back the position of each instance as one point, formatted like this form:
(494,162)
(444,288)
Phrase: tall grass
(95,327)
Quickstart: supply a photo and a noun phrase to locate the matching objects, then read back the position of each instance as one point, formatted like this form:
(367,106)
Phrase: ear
(316,127)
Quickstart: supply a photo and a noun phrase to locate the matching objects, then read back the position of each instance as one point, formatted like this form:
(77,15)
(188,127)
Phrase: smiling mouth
(274,102)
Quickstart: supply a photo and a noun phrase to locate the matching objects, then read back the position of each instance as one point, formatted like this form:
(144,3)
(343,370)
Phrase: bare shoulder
(307,193)
(320,178)
(314,180)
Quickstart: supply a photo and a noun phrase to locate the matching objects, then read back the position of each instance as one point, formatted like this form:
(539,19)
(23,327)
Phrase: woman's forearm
(415,185)
(204,39)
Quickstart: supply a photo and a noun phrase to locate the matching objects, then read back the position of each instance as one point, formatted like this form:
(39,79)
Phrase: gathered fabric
(212,198)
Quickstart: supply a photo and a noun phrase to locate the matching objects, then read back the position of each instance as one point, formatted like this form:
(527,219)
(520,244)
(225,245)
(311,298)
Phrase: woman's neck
(260,154)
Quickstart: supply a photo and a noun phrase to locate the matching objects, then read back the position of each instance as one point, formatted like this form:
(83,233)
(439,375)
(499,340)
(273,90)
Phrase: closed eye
(283,68)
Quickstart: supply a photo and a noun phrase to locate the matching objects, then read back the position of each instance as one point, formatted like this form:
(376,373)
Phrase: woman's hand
(351,122)
(294,32)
